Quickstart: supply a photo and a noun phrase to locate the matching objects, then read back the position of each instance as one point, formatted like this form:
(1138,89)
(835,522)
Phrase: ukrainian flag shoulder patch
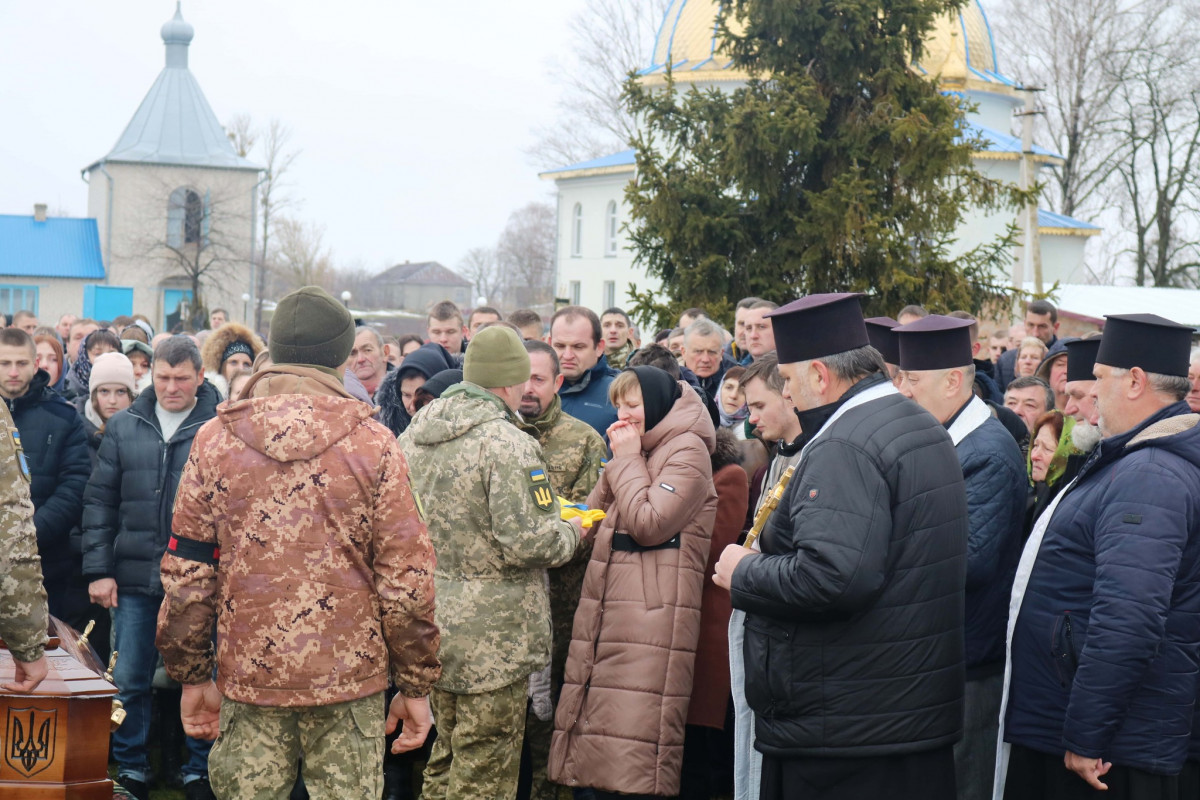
(536,475)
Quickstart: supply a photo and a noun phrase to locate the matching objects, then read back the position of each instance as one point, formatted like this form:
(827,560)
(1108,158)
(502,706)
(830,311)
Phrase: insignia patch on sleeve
(536,475)
(543,496)
(22,464)
(603,464)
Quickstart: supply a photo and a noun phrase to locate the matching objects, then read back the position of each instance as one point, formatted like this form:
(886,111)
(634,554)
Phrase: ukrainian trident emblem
(30,733)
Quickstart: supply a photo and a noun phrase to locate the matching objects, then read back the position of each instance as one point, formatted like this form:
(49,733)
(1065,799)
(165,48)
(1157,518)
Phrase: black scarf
(659,393)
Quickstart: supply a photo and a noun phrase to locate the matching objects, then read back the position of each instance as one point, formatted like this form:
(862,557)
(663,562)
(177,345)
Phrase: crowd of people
(377,566)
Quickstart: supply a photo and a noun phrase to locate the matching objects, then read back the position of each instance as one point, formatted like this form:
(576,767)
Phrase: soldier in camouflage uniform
(23,615)
(495,524)
(574,454)
(296,528)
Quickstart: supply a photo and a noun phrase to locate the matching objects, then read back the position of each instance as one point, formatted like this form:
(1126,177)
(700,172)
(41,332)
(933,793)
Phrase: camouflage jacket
(23,615)
(618,357)
(296,527)
(495,525)
(574,452)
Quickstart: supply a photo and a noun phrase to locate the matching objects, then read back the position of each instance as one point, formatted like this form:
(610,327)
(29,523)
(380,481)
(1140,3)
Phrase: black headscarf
(659,393)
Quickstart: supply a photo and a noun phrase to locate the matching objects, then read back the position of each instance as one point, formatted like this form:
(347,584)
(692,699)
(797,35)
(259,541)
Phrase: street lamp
(346,298)
(246,306)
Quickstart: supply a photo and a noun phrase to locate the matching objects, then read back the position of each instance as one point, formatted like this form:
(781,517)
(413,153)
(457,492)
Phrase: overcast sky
(412,118)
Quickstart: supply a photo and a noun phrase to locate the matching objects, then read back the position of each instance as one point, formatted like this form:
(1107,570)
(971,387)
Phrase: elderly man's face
(1079,402)
(1028,403)
(366,359)
(1193,396)
(702,354)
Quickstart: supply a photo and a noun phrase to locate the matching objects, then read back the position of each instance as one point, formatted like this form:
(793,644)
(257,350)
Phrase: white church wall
(595,269)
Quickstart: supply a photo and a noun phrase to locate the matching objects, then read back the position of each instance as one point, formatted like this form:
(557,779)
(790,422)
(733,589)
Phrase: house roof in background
(60,247)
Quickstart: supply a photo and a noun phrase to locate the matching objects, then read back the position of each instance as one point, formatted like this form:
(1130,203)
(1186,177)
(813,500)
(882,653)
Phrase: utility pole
(1030,252)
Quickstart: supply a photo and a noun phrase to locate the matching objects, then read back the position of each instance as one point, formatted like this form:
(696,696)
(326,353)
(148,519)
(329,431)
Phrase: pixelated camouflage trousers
(478,749)
(256,754)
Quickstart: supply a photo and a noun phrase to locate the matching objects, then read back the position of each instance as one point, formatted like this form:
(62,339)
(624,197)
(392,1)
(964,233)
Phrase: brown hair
(54,343)
(1054,419)
(623,386)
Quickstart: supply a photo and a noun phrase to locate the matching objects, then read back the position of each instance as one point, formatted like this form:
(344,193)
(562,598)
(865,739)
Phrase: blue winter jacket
(1106,647)
(996,481)
(587,398)
(56,449)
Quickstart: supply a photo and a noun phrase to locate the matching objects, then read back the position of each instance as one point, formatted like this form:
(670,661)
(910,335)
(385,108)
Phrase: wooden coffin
(54,742)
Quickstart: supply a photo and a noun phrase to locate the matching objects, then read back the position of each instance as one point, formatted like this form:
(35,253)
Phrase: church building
(171,216)
(594,263)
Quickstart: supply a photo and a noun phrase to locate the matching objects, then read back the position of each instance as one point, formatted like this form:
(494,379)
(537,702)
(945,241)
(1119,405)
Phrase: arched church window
(185,217)
(577,230)
(610,229)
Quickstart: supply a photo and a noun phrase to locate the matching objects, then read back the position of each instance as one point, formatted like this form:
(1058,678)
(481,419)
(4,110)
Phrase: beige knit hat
(112,368)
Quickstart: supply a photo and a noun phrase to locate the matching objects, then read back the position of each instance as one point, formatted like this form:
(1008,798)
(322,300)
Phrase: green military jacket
(23,615)
(495,524)
(574,452)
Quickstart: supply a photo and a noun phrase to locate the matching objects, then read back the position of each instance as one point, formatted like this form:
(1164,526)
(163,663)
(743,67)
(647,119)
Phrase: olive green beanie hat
(496,358)
(310,327)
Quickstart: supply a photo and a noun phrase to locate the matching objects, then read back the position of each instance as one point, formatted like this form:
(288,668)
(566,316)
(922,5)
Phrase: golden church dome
(959,50)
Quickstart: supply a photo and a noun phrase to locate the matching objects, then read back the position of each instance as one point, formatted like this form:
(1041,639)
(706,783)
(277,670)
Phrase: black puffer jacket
(56,448)
(128,503)
(854,627)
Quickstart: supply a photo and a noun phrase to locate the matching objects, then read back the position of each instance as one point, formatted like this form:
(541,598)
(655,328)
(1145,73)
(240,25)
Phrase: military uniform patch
(543,496)
(536,475)
(19,452)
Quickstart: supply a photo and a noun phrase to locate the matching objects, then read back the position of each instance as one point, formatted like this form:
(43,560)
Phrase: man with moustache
(575,455)
(1104,621)
(854,608)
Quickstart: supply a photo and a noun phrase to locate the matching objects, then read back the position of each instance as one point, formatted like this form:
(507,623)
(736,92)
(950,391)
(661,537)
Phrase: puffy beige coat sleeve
(653,498)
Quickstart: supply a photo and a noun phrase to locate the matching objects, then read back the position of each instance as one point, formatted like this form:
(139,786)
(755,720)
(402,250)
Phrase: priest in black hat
(882,338)
(936,370)
(1085,433)
(854,608)
(1104,622)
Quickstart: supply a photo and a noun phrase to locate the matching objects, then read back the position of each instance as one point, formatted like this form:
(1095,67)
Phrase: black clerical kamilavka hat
(1081,357)
(935,342)
(817,326)
(1149,341)
(883,338)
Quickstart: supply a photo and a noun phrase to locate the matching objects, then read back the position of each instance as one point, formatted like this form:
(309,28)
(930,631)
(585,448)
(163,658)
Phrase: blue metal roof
(175,124)
(1048,219)
(625,158)
(60,247)
(998,142)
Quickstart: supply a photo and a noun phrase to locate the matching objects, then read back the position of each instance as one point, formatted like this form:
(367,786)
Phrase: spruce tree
(836,167)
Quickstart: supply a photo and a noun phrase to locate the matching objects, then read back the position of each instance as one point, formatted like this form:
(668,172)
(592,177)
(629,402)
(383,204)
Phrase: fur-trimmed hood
(222,337)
